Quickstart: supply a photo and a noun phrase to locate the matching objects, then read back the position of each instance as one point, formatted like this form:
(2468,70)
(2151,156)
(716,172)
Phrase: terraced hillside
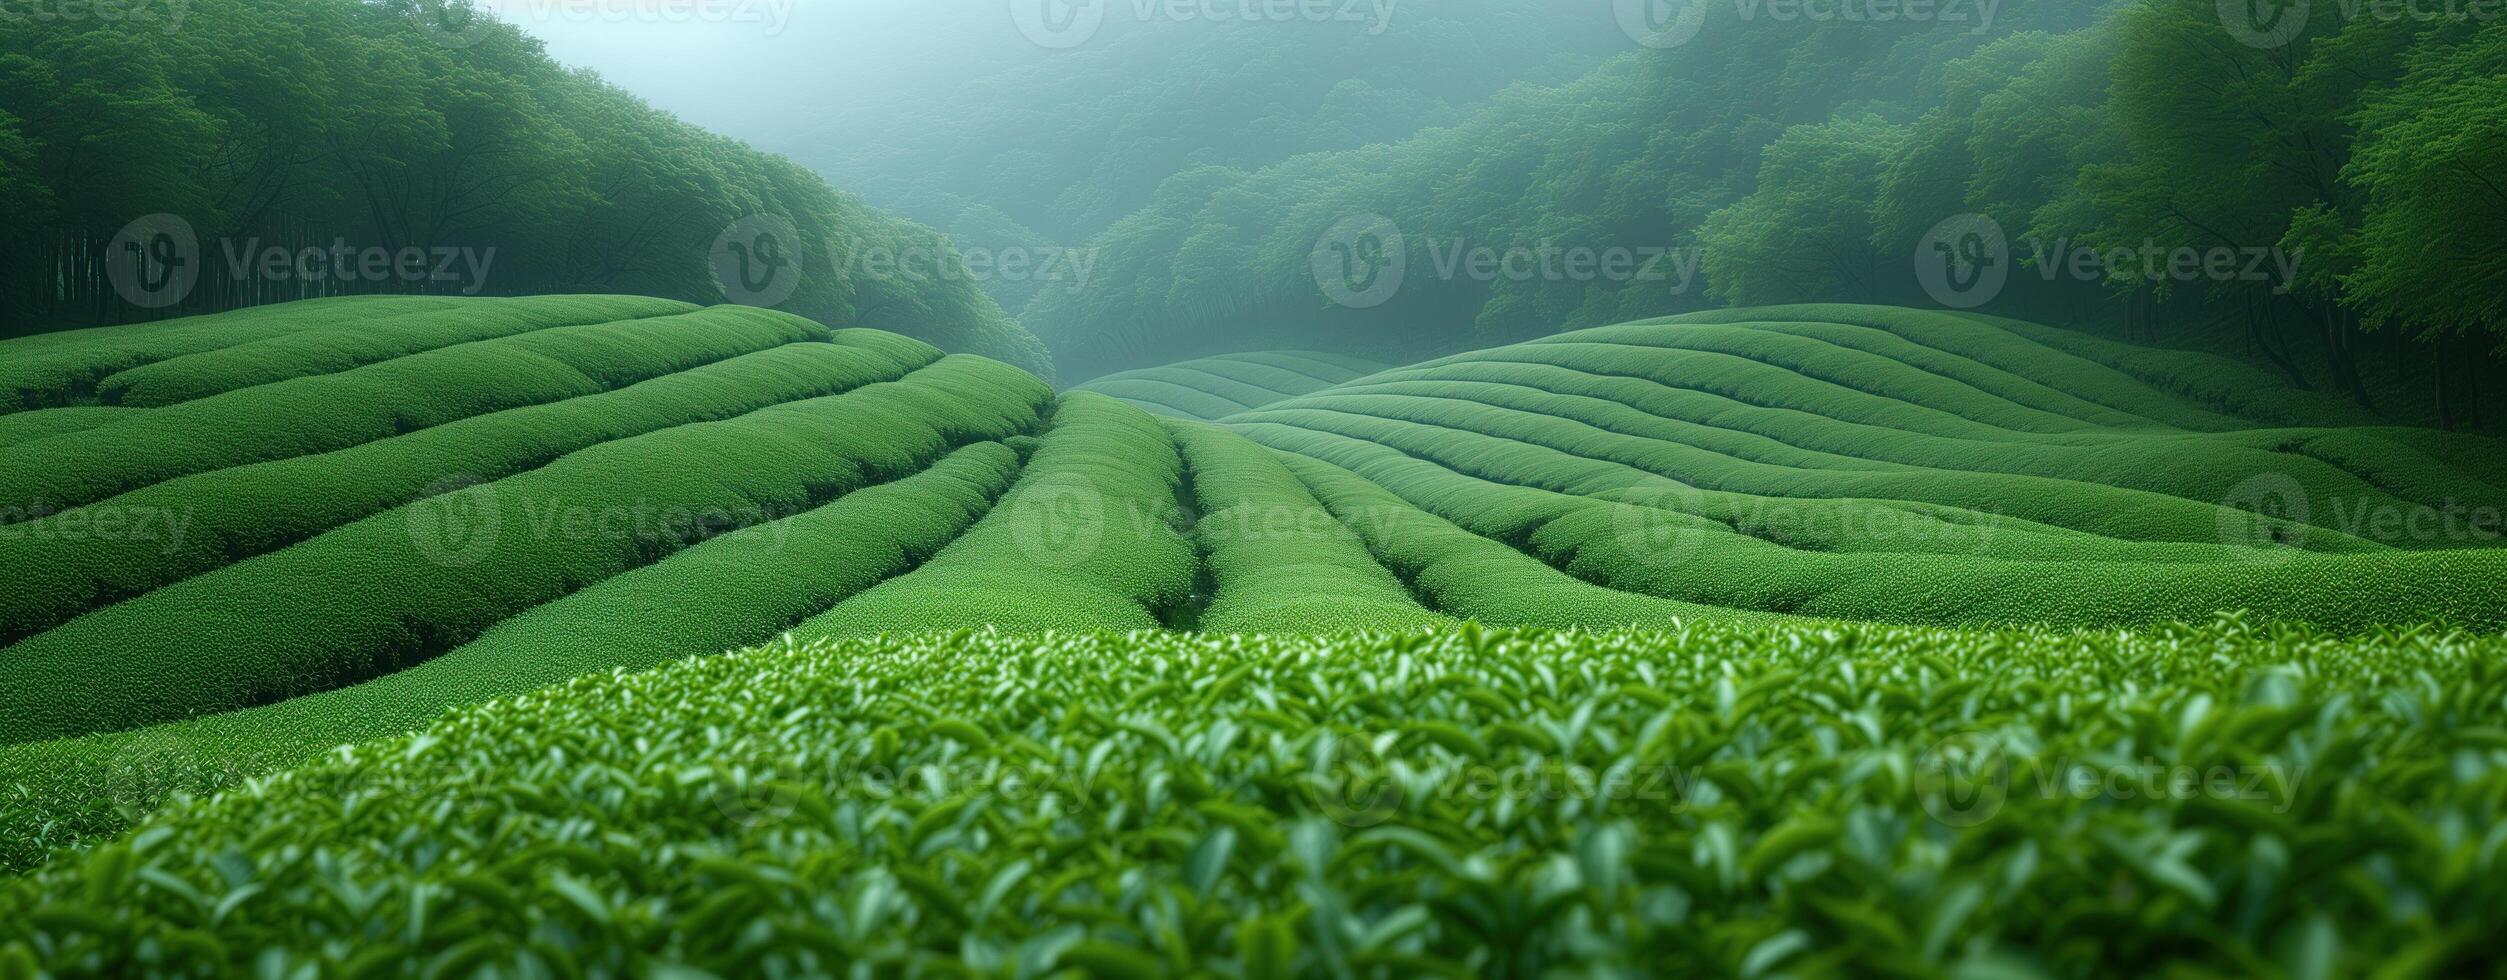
(232,544)
(1872,463)
(1210,387)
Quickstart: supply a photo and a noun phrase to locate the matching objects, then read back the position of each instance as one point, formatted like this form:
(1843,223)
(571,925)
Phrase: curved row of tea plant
(1276,559)
(407,585)
(1086,539)
(67,367)
(320,413)
(1713,801)
(1211,387)
(1867,463)
(57,567)
(352,342)
(750,584)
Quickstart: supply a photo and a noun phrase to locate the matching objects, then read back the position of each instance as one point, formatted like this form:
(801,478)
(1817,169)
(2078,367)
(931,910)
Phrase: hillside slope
(1877,463)
(1207,388)
(230,544)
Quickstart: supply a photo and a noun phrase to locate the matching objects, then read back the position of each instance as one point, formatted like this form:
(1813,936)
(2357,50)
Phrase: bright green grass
(1715,801)
(1211,387)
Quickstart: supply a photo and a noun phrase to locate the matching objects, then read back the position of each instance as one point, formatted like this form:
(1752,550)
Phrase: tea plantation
(382,634)
(1211,387)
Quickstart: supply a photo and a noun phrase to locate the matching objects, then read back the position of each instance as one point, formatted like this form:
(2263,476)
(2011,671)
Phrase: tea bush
(1712,801)
(402,587)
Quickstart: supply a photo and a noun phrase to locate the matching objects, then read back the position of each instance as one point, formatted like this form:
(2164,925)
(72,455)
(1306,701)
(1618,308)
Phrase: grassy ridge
(52,569)
(752,583)
(321,413)
(1085,540)
(1277,560)
(405,586)
(1712,801)
(1867,463)
(355,341)
(1476,578)
(1213,387)
(66,367)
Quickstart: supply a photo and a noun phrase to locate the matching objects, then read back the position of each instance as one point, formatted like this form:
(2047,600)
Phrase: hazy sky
(744,67)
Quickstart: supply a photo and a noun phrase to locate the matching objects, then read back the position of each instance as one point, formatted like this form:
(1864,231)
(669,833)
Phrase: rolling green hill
(1872,463)
(1207,388)
(234,543)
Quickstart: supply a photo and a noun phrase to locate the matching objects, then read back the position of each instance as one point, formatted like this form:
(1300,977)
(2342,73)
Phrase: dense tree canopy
(2142,163)
(276,126)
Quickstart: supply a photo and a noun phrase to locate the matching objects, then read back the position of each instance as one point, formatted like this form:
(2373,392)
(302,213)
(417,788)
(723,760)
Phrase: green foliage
(1475,578)
(1211,388)
(358,341)
(750,584)
(407,585)
(1865,463)
(1712,801)
(1087,540)
(1278,562)
(57,567)
(401,124)
(325,412)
